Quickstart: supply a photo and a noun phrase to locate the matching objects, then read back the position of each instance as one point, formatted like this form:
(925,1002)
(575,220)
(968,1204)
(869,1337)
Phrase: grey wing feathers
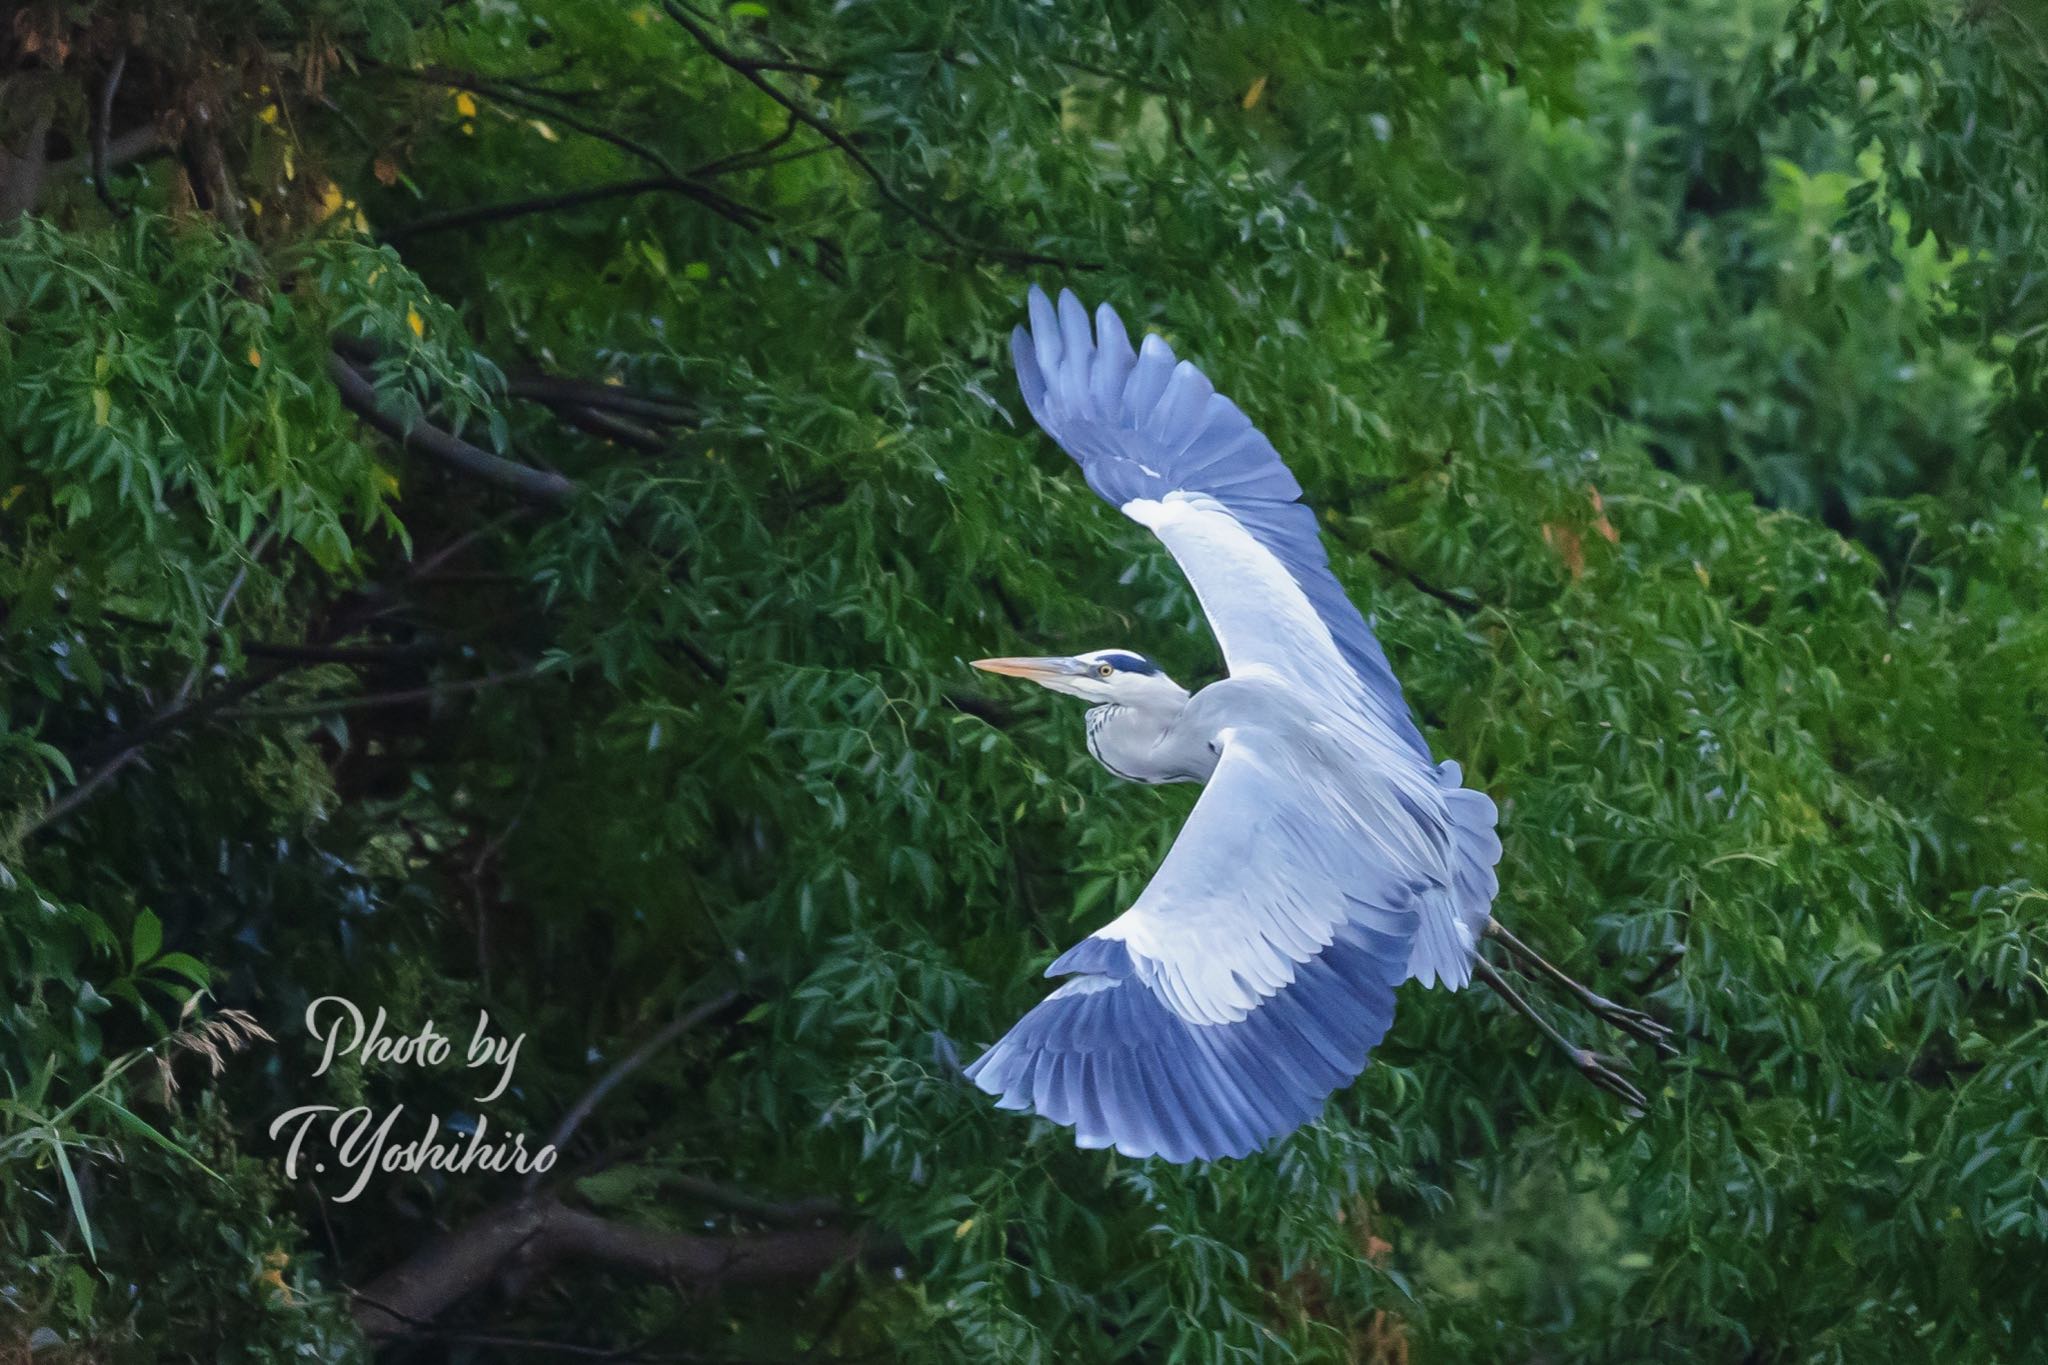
(1142,424)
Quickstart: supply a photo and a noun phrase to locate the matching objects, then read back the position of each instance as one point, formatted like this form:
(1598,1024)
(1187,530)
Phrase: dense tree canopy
(495,498)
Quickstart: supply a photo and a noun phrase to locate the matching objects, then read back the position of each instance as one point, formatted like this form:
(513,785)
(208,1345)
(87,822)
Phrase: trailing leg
(1594,1067)
(1633,1022)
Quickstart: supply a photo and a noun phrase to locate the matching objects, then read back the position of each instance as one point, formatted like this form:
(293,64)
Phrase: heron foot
(1602,1071)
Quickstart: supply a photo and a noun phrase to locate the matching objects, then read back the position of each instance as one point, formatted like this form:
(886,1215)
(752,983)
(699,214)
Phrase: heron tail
(1475,848)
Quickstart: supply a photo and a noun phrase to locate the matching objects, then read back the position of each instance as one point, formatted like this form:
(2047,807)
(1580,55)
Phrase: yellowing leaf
(1569,547)
(12,494)
(268,113)
(330,201)
(1600,521)
(416,322)
(546,132)
(388,480)
(1251,96)
(255,358)
(465,104)
(642,16)
(102,406)
(966,1226)
(271,1275)
(469,130)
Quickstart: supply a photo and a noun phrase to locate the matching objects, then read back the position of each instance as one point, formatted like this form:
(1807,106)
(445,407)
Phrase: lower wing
(1252,978)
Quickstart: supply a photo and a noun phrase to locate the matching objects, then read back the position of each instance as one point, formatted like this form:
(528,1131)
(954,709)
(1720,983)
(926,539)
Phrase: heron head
(1102,675)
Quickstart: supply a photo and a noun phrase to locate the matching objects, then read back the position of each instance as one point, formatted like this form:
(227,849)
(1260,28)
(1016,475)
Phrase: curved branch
(750,69)
(625,1067)
(727,208)
(103,118)
(360,397)
(537,1234)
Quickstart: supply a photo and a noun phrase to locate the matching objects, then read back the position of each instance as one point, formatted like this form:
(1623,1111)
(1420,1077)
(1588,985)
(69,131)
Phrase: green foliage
(1668,382)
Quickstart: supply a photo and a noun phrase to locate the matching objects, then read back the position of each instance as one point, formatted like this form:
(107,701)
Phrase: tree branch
(462,80)
(538,1234)
(372,701)
(785,1213)
(727,208)
(121,149)
(557,392)
(624,1067)
(103,117)
(1459,601)
(750,70)
(180,710)
(360,397)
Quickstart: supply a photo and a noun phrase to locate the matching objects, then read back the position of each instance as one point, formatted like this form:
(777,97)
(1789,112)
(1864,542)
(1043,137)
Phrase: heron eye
(1104,669)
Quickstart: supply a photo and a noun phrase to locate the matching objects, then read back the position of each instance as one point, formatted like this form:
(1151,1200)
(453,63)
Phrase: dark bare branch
(483,85)
(750,70)
(557,392)
(534,1235)
(534,485)
(374,700)
(1457,601)
(730,209)
(103,118)
(625,1067)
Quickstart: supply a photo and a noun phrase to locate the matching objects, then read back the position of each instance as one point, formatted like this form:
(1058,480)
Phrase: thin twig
(1465,605)
(742,160)
(556,392)
(624,1067)
(371,655)
(481,85)
(741,215)
(374,700)
(175,713)
(750,71)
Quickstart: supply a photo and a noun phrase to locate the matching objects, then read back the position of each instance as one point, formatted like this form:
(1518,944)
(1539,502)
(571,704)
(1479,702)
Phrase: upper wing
(1155,439)
(1256,971)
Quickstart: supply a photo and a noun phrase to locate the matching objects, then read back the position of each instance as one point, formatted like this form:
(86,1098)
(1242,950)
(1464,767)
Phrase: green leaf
(146,937)
(142,1128)
(185,965)
(77,1196)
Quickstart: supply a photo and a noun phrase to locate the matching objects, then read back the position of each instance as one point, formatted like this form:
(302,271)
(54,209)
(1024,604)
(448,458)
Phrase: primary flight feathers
(1141,425)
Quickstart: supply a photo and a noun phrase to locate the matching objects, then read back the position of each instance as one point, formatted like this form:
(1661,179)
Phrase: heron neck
(1144,741)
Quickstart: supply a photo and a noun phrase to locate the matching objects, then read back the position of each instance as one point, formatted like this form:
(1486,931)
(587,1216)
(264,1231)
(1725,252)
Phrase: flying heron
(1330,857)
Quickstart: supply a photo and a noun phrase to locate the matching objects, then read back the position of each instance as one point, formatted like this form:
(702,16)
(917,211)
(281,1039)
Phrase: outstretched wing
(1253,975)
(1156,440)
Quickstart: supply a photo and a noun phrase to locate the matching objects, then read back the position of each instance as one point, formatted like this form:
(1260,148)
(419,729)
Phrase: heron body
(1329,859)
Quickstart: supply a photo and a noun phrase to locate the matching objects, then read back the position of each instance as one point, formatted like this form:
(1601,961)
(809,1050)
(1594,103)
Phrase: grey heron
(1329,859)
